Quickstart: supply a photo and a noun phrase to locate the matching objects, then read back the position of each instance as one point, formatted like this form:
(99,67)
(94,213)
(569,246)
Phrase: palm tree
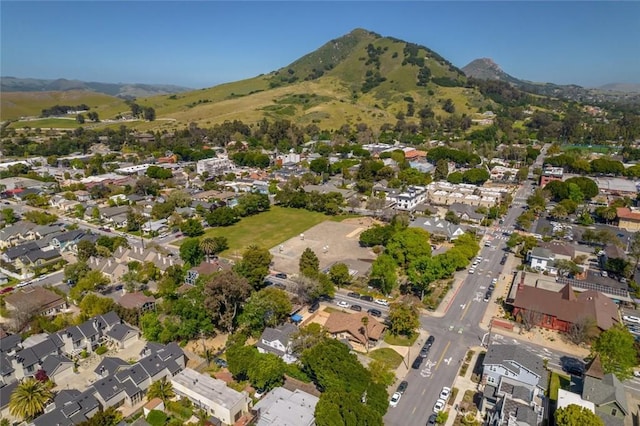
(162,389)
(208,246)
(28,399)
(365,325)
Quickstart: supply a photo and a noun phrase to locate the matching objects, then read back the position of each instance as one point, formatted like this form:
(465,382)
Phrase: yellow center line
(465,310)
(442,356)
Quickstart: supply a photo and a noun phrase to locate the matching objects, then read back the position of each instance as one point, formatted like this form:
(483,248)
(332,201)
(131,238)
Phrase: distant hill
(487,69)
(122,90)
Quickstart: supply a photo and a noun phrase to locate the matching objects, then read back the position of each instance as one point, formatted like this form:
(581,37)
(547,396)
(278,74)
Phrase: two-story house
(88,335)
(541,259)
(514,382)
(278,341)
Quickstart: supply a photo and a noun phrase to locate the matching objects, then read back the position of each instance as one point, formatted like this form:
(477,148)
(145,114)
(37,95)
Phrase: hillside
(487,69)
(360,77)
(14,105)
(123,90)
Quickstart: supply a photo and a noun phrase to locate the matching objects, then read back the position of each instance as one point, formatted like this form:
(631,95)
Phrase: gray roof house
(123,335)
(277,341)
(466,212)
(606,392)
(109,366)
(70,408)
(515,381)
(282,407)
(438,226)
(541,259)
(13,234)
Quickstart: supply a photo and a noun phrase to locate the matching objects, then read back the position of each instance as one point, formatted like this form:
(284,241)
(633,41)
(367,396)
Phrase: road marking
(465,311)
(414,409)
(443,354)
(424,391)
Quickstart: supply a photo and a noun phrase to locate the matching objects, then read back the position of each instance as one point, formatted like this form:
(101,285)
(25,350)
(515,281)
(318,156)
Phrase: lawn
(400,340)
(388,356)
(267,229)
(558,381)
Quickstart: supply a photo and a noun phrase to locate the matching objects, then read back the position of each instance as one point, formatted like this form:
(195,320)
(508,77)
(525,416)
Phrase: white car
(444,393)
(472,270)
(636,374)
(395,398)
(439,406)
(631,319)
(382,302)
(494,281)
(343,304)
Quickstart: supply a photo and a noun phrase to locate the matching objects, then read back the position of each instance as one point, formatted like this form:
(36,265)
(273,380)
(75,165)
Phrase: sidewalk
(408,353)
(463,383)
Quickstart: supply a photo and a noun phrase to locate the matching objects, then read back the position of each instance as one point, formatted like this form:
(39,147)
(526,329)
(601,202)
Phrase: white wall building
(214,166)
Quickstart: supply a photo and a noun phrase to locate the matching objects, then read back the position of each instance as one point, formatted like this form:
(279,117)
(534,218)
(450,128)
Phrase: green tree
(93,305)
(403,319)
(162,389)
(213,245)
(309,263)
(74,271)
(87,283)
(108,417)
(442,170)
(86,249)
(224,294)
(476,176)
(8,216)
(267,372)
(617,352)
(339,274)
(265,308)
(575,415)
(383,274)
(254,265)
(409,244)
(40,217)
(28,399)
(240,358)
(455,177)
(190,251)
(222,216)
(634,249)
(192,228)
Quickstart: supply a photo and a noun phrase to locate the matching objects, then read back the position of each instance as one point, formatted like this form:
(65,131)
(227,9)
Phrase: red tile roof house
(559,310)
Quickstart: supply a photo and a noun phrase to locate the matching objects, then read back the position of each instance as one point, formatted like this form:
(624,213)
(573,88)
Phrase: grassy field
(388,356)
(267,229)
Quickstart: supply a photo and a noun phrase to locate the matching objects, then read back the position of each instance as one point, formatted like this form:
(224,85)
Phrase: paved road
(458,330)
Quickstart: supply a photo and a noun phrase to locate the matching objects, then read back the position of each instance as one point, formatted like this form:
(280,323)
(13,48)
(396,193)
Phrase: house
(138,301)
(514,382)
(16,233)
(438,226)
(65,240)
(214,166)
(541,259)
(611,251)
(35,300)
(155,226)
(110,267)
(58,368)
(110,365)
(88,335)
(123,336)
(205,268)
(35,258)
(212,395)
(62,204)
(348,326)
(282,407)
(277,341)
(606,392)
(559,250)
(466,213)
(628,219)
(70,407)
(29,359)
(109,213)
(559,310)
(5,397)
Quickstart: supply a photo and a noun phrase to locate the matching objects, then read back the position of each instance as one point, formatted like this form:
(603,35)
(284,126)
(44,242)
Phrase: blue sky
(201,44)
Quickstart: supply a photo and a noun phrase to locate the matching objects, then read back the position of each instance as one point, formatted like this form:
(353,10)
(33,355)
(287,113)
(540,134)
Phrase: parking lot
(332,242)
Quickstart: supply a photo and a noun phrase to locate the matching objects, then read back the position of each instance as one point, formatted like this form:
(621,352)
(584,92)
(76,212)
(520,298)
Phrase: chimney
(521,284)
(171,262)
(164,260)
(109,263)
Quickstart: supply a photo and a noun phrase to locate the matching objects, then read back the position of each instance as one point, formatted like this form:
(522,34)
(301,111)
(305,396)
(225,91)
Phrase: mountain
(359,78)
(487,69)
(123,90)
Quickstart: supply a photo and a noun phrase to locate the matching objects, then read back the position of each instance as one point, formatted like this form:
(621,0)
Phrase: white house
(278,342)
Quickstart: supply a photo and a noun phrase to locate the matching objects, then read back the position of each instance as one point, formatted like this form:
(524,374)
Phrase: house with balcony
(278,341)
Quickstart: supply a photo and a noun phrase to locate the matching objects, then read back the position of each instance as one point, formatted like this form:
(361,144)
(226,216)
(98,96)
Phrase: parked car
(444,393)
(354,294)
(631,319)
(636,373)
(314,307)
(395,398)
(367,298)
(356,308)
(424,351)
(487,295)
(429,341)
(494,281)
(432,420)
(6,290)
(472,270)
(375,313)
(417,362)
(281,275)
(402,386)
(220,362)
(439,406)
(343,304)
(259,393)
(382,302)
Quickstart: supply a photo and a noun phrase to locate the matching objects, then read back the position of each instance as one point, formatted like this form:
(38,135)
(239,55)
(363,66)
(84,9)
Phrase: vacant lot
(267,229)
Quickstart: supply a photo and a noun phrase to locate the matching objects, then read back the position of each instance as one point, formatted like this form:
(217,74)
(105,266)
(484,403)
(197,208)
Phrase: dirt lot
(332,242)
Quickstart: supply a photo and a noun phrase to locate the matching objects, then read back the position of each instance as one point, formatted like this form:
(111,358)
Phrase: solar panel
(593,286)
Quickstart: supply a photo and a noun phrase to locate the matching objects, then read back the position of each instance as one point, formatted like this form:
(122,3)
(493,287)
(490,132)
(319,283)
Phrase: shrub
(101,350)
(156,418)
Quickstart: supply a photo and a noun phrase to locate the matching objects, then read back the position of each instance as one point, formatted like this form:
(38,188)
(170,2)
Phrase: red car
(6,290)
